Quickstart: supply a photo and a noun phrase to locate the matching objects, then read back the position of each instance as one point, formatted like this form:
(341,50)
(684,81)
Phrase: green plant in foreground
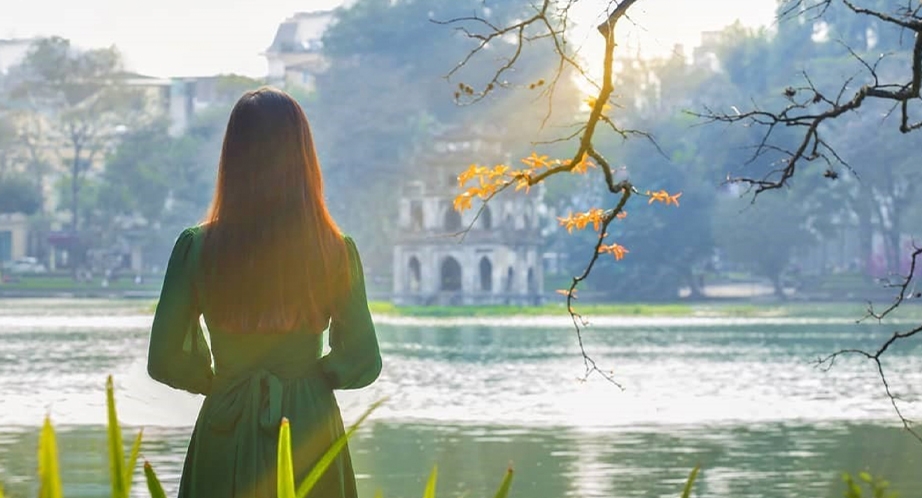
(690,483)
(122,471)
(879,487)
(49,476)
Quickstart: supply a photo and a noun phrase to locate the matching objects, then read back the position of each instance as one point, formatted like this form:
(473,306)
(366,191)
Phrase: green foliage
(504,486)
(49,476)
(690,483)
(879,488)
(429,491)
(138,175)
(330,455)
(19,194)
(153,483)
(285,474)
(82,97)
(120,471)
(762,236)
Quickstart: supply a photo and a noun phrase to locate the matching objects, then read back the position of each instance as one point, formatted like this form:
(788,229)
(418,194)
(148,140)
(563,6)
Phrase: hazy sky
(203,37)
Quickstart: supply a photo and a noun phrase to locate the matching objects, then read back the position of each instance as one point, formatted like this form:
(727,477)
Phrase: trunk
(74,189)
(778,286)
(695,284)
(865,241)
(893,251)
(76,256)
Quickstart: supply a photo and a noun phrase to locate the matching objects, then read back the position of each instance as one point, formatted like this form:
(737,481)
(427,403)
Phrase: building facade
(496,261)
(12,52)
(14,236)
(294,58)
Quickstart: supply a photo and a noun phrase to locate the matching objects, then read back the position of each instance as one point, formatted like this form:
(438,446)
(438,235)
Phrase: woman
(269,271)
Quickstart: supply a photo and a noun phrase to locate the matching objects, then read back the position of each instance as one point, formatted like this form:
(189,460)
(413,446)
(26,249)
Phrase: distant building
(189,96)
(181,98)
(14,236)
(705,54)
(295,57)
(499,260)
(12,52)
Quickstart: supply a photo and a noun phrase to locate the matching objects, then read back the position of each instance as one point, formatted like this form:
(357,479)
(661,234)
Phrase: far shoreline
(551,311)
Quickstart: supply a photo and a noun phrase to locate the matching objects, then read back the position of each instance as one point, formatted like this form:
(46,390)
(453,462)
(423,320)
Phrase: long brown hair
(273,257)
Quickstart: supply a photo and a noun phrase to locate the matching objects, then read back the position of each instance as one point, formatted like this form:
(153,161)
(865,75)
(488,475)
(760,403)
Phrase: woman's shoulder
(189,241)
(197,229)
(351,250)
(193,233)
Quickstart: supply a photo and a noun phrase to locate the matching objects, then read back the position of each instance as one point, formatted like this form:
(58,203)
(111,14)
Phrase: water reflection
(744,399)
(776,460)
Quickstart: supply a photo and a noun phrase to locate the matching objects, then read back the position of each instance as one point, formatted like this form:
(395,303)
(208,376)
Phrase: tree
(8,143)
(18,194)
(762,236)
(384,93)
(794,136)
(82,105)
(137,175)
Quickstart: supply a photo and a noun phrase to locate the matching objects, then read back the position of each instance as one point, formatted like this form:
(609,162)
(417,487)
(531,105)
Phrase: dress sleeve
(178,354)
(354,360)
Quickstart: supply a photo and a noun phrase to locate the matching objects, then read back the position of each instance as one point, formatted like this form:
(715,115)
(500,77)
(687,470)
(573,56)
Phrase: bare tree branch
(809,108)
(552,26)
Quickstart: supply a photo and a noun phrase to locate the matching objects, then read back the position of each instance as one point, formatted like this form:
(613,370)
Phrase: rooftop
(301,32)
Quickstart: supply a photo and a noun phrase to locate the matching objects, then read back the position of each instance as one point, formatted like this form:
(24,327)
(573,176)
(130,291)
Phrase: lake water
(741,397)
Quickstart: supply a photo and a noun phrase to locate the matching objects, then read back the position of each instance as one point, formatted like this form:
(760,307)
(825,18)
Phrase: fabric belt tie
(256,397)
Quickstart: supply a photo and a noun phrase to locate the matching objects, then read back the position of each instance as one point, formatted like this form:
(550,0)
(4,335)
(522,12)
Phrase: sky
(167,38)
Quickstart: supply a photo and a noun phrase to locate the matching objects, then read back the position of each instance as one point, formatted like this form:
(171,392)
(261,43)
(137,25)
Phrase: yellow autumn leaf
(592,100)
(617,250)
(534,161)
(583,165)
(664,197)
(462,202)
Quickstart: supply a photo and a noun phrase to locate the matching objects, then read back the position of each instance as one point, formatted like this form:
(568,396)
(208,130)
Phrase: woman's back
(256,380)
(267,273)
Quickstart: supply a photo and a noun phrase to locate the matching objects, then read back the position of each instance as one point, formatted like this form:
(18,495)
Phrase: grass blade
(1,491)
(116,450)
(327,459)
(153,484)
(503,490)
(690,483)
(429,492)
(49,476)
(132,462)
(286,471)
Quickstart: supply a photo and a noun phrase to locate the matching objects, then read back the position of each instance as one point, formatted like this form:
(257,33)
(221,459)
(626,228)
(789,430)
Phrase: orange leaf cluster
(536,162)
(488,180)
(567,293)
(617,250)
(580,221)
(664,197)
(591,101)
(581,167)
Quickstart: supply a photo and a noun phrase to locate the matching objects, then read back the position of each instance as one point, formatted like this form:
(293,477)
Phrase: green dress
(256,380)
